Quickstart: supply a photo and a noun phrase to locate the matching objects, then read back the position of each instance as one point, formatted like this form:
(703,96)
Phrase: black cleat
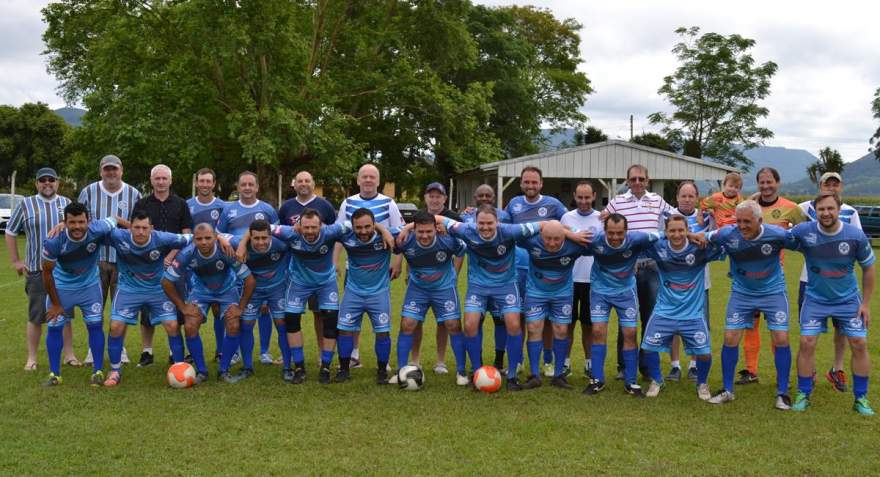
(382,376)
(634,390)
(200,378)
(532,382)
(146,359)
(746,377)
(514,385)
(228,377)
(245,373)
(287,375)
(561,382)
(189,359)
(324,376)
(299,376)
(342,376)
(595,387)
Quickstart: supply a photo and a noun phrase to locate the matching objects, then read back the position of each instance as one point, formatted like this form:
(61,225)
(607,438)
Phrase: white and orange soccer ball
(487,379)
(181,375)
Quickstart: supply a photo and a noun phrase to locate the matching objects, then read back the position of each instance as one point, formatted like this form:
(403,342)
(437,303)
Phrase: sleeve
(16,220)
(612,206)
(651,252)
(561,209)
(284,213)
(333,232)
(792,238)
(241,270)
(136,194)
(855,220)
(797,216)
(234,241)
(273,215)
(394,217)
(717,236)
(103,227)
(643,239)
(84,196)
(175,241)
(715,252)
(284,232)
(708,203)
(340,217)
(865,254)
(223,223)
(460,247)
(519,231)
(50,250)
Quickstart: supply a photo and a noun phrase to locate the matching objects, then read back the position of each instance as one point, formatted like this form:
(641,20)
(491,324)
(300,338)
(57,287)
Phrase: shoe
(674,375)
(228,377)
(520,368)
(801,402)
(566,370)
(245,373)
(112,379)
(188,359)
(498,364)
(746,377)
(514,385)
(236,358)
(342,376)
(619,376)
(125,359)
(287,375)
(355,363)
(837,378)
(299,376)
(783,402)
(549,370)
(634,390)
(532,382)
(146,359)
(655,387)
(97,378)
(722,397)
(324,375)
(440,368)
(89,358)
(692,374)
(595,387)
(561,382)
(862,406)
(382,376)
(52,381)
(267,359)
(200,378)
(461,380)
(30,366)
(703,392)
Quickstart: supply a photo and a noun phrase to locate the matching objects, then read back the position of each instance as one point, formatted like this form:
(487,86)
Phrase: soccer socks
(782,358)
(194,345)
(230,344)
(805,384)
(474,347)
(703,368)
(345,345)
(630,365)
(54,344)
(548,355)
(534,348)
(458,349)
(652,361)
(176,345)
(598,353)
(514,354)
(298,356)
(404,347)
(96,344)
(383,350)
(114,351)
(729,358)
(284,347)
(326,358)
(560,349)
(219,332)
(860,386)
(246,336)
(265,322)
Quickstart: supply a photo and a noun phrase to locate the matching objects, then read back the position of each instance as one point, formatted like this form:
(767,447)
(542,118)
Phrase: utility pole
(630,127)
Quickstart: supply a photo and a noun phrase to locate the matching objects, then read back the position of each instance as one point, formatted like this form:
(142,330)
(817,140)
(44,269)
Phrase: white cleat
(721,398)
(461,380)
(125,359)
(440,368)
(654,389)
(549,370)
(393,379)
(89,358)
(703,392)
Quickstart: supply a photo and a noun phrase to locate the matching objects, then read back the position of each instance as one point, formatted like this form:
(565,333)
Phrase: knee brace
(330,320)
(292,321)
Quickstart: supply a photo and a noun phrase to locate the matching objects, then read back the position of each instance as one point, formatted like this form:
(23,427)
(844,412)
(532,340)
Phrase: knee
(536,326)
(859,346)
(191,329)
(560,331)
(452,326)
(293,322)
(329,322)
(233,326)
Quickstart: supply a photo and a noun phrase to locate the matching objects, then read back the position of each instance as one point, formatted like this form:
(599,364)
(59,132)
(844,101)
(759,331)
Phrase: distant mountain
(860,177)
(72,116)
(791,163)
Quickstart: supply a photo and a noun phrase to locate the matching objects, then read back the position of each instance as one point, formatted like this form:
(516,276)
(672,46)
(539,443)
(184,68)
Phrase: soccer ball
(411,378)
(181,375)
(487,379)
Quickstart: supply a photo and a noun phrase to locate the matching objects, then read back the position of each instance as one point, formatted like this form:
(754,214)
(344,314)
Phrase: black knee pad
(329,321)
(292,322)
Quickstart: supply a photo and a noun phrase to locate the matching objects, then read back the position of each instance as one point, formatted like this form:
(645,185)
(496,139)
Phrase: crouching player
(831,248)
(140,253)
(213,278)
(681,304)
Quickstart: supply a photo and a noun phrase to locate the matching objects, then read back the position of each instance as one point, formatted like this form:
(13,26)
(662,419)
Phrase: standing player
(531,206)
(70,275)
(214,279)
(140,252)
(758,286)
(830,249)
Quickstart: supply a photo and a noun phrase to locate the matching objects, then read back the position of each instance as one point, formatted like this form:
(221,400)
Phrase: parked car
(407,210)
(6,204)
(869,216)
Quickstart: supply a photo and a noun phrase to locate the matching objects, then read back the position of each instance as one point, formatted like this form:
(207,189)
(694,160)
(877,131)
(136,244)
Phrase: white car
(6,203)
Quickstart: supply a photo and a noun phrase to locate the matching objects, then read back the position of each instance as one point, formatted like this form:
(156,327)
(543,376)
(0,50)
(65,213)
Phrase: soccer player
(235,220)
(213,279)
(758,286)
(532,206)
(70,275)
(830,249)
(140,253)
(367,290)
(615,252)
(433,262)
(681,303)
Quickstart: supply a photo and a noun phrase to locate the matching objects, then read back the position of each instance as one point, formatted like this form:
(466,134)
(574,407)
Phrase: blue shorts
(694,333)
(844,315)
(223,300)
(89,300)
(558,308)
(503,299)
(354,305)
(444,302)
(127,304)
(273,298)
(741,309)
(298,296)
(626,304)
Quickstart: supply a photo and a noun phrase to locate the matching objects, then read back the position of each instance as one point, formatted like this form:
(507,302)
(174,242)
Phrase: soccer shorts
(224,300)
(128,303)
(354,305)
(741,309)
(626,304)
(298,297)
(88,299)
(444,302)
(845,316)
(502,298)
(273,298)
(521,278)
(694,333)
(557,308)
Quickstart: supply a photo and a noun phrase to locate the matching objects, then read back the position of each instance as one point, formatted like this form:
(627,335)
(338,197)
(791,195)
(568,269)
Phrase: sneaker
(561,382)
(746,377)
(299,376)
(692,374)
(783,402)
(619,376)
(125,359)
(801,402)
(722,397)
(355,363)
(200,378)
(674,375)
(549,370)
(245,373)
(146,359)
(342,376)
(634,390)
(863,407)
(324,375)
(440,368)
(267,359)
(53,380)
(382,376)
(514,385)
(566,370)
(89,358)
(703,392)
(112,379)
(461,380)
(188,359)
(595,387)
(655,387)
(532,382)
(236,358)
(287,375)
(97,378)
(228,377)
(837,378)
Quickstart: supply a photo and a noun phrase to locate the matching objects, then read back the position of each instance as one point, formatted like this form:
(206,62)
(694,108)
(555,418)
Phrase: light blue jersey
(614,268)
(368,263)
(141,267)
(311,264)
(550,273)
(268,268)
(682,293)
(431,267)
(491,262)
(77,260)
(205,213)
(522,211)
(754,264)
(830,260)
(214,274)
(236,218)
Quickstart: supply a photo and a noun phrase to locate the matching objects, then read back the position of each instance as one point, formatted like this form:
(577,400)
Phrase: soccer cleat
(440,368)
(634,390)
(722,397)
(692,373)
(514,385)
(746,377)
(236,358)
(461,380)
(200,378)
(355,363)
(566,370)
(783,402)
(245,373)
(112,379)
(89,358)
(342,376)
(837,377)
(703,392)
(595,387)
(188,359)
(287,375)
(549,370)
(561,382)
(146,359)
(228,377)
(324,375)
(532,382)
(863,407)
(53,380)
(382,376)
(801,402)
(97,378)
(299,376)
(674,374)
(619,376)
(124,358)
(267,359)
(655,387)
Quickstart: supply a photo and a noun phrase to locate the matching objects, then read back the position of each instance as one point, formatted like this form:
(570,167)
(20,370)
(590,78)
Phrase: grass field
(265,427)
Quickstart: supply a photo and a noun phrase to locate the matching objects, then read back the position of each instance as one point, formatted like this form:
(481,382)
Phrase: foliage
(875,139)
(654,140)
(31,136)
(829,160)
(589,135)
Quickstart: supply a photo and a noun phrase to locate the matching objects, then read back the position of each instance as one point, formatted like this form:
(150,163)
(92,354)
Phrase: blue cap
(46,172)
(435,186)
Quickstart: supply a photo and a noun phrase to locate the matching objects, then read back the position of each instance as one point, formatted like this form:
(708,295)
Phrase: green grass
(263,426)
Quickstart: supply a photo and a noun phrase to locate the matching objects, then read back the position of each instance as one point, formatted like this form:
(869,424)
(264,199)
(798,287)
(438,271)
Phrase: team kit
(240,262)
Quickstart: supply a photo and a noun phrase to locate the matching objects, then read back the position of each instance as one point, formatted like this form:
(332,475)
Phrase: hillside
(72,116)
(860,177)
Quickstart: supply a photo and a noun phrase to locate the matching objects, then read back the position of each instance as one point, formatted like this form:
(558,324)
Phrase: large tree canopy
(31,136)
(829,160)
(422,88)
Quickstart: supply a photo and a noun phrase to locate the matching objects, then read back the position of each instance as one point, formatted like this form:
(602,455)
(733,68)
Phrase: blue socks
(548,355)
(404,347)
(534,349)
(630,365)
(598,353)
(514,354)
(326,358)
(96,344)
(194,345)
(284,347)
(247,344)
(474,347)
(805,384)
(345,345)
(703,368)
(560,349)
(860,386)
(114,351)
(782,358)
(176,345)
(265,332)
(729,358)
(54,344)
(456,341)
(298,356)
(652,361)
(230,344)
(383,349)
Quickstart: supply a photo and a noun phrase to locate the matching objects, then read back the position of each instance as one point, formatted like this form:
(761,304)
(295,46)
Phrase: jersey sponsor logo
(192,263)
(250,307)
(700,337)
(630,312)
(259,216)
(733,243)
(843,248)
(379,246)
(441,256)
(123,208)
(566,310)
(542,211)
(810,238)
(656,339)
(690,259)
(473,300)
(334,297)
(91,247)
(597,309)
(215,214)
(510,299)
(220,265)
(536,252)
(662,254)
(410,252)
(812,324)
(123,246)
(535,309)
(776,213)
(154,255)
(168,306)
(517,207)
(627,253)
(600,248)
(501,249)
(449,305)
(411,306)
(565,261)
(275,256)
(766,249)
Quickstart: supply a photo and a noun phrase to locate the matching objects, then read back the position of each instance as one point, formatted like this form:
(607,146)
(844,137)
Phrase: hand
(19,267)
(388,239)
(55,230)
(865,313)
(168,260)
(297,228)
(404,232)
(54,312)
(469,210)
(604,215)
(584,237)
(698,239)
(122,223)
(395,270)
(191,311)
(241,254)
(233,312)
(441,229)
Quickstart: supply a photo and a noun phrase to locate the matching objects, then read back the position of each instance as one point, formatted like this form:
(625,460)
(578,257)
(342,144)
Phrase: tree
(716,93)
(589,135)
(829,160)
(654,140)
(875,139)
(31,136)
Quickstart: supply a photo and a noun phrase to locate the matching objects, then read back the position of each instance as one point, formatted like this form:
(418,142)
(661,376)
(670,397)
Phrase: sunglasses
(44,180)
(638,179)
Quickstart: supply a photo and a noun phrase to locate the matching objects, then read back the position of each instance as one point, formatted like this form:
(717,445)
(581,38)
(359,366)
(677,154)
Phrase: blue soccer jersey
(268,268)
(522,211)
(141,266)
(754,264)
(682,293)
(76,260)
(213,274)
(470,216)
(205,213)
(431,267)
(491,262)
(368,263)
(311,263)
(614,268)
(237,217)
(830,260)
(550,273)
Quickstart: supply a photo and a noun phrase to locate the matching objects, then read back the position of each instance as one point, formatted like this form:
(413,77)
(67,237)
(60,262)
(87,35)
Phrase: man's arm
(12,246)
(55,310)
(250,284)
(867,292)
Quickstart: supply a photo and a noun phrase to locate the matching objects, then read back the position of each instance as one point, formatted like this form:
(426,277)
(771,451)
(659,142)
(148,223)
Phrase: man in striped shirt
(109,197)
(644,212)
(36,215)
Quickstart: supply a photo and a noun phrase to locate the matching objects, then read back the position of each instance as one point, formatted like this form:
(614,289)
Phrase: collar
(248,206)
(213,199)
(213,252)
(312,198)
(628,195)
(591,212)
(830,234)
(111,194)
(526,199)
